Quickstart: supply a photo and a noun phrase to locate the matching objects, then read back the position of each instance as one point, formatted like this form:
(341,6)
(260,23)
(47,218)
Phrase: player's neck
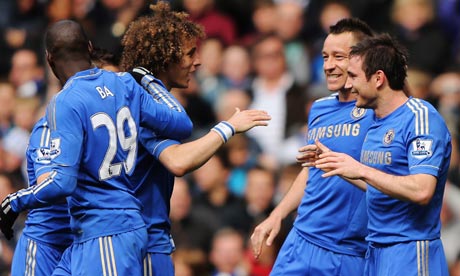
(346,96)
(389,102)
(67,70)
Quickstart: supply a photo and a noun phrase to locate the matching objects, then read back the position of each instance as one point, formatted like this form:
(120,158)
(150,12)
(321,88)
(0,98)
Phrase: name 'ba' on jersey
(94,124)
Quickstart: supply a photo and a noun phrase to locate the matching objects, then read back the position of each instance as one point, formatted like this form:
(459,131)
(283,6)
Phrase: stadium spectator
(274,89)
(227,253)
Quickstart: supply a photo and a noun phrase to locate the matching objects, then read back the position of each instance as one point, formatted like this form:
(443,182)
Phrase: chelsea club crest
(358,112)
(389,137)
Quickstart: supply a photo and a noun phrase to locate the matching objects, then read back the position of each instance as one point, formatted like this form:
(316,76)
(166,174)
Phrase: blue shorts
(300,257)
(417,258)
(119,254)
(32,257)
(158,264)
(63,268)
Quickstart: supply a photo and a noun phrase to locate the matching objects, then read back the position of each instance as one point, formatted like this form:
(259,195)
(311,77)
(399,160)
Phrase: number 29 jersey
(95,123)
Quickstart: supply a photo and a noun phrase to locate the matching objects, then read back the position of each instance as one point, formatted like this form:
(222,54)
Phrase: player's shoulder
(420,107)
(417,102)
(125,77)
(424,116)
(80,83)
(327,99)
(120,81)
(40,125)
(127,80)
(332,102)
(68,96)
(39,140)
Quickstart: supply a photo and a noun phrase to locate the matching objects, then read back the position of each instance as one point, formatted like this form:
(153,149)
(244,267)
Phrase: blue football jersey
(332,213)
(413,139)
(50,224)
(154,185)
(153,182)
(94,124)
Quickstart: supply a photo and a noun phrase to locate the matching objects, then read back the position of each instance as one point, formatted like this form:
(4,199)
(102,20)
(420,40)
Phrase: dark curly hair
(157,40)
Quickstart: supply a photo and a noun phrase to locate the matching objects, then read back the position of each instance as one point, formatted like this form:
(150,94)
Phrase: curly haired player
(165,45)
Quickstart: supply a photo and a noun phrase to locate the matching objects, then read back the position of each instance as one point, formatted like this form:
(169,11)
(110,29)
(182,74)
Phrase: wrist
(277,214)
(225,130)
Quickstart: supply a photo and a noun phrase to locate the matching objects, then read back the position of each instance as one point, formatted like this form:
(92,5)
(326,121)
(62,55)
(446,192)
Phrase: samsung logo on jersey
(334,131)
(376,157)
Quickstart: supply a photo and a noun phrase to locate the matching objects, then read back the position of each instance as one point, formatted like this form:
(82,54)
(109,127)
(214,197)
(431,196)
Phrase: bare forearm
(294,195)
(417,188)
(357,182)
(183,158)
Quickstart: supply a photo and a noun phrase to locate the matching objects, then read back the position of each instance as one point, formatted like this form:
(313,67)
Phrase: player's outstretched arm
(182,158)
(270,227)
(243,121)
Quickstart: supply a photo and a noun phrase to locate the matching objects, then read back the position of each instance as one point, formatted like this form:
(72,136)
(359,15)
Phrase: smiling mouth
(333,76)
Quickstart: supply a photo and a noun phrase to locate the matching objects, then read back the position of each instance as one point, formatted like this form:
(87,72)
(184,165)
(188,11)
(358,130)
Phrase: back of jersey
(95,121)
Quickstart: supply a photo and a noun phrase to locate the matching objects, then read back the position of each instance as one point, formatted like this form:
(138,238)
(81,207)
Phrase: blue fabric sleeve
(155,145)
(161,118)
(46,193)
(160,93)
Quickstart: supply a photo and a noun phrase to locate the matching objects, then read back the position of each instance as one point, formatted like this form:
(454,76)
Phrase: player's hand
(245,120)
(307,155)
(138,73)
(265,232)
(7,218)
(336,163)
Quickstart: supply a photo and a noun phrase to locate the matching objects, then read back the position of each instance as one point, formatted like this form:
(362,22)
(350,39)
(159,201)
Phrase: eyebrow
(193,50)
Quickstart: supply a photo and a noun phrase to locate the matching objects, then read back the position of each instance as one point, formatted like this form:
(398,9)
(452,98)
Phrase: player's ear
(379,78)
(48,56)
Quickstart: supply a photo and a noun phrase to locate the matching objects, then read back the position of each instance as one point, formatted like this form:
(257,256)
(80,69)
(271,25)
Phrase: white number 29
(127,143)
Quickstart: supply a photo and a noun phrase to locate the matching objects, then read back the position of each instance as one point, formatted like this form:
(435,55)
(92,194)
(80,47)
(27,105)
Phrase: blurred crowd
(263,54)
